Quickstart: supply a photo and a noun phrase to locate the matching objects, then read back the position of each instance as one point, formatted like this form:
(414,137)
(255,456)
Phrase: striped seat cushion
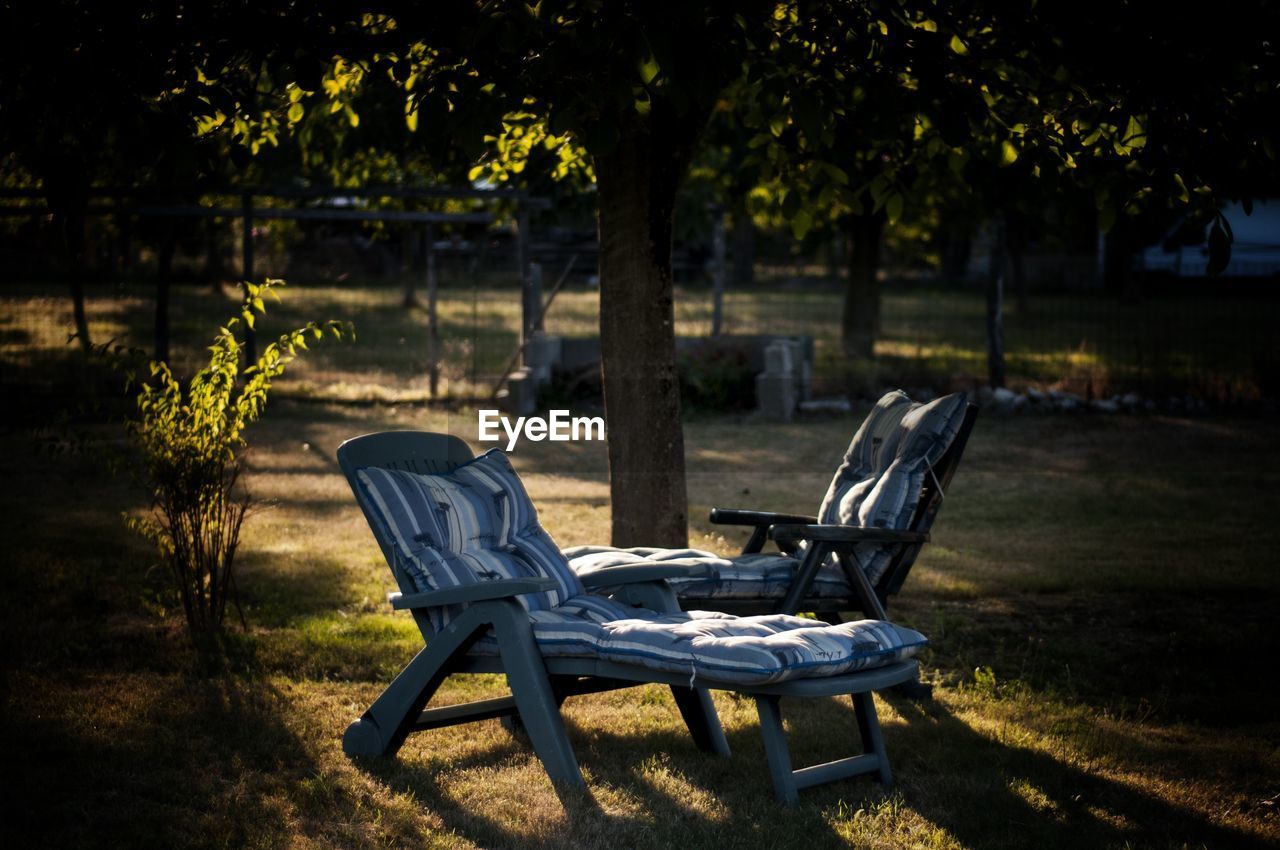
(475,523)
(763,575)
(713,647)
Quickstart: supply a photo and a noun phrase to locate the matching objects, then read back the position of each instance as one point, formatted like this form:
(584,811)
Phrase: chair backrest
(931,496)
(890,473)
(445,519)
(411,451)
(870,452)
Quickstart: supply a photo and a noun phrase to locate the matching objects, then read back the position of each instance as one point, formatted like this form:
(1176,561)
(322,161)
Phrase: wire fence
(1205,339)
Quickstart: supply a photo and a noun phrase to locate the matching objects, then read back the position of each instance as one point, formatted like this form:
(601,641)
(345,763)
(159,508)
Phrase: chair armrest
(634,573)
(479,592)
(732,516)
(846,534)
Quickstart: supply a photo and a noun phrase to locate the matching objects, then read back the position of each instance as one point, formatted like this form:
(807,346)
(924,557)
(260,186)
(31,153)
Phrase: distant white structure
(1254,253)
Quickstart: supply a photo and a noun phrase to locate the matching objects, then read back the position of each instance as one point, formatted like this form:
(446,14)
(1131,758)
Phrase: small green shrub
(192,456)
(716,380)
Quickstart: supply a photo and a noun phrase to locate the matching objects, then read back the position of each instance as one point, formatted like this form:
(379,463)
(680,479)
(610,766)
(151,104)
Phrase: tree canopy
(822,112)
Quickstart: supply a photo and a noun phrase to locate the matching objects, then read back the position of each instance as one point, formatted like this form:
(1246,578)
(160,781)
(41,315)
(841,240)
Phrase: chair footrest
(819,774)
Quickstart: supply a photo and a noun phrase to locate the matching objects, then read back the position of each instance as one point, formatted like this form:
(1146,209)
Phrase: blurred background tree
(859,125)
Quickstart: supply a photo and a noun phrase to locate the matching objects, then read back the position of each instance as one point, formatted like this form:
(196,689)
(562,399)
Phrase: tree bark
(73,230)
(637,183)
(742,247)
(164,278)
(1116,255)
(957,246)
(995,305)
(68,189)
(860,324)
(1015,249)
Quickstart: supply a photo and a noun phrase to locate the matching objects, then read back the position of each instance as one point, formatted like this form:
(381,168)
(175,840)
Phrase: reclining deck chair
(856,552)
(491,593)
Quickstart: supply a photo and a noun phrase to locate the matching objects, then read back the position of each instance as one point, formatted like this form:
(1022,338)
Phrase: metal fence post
(433,330)
(719,271)
(528,310)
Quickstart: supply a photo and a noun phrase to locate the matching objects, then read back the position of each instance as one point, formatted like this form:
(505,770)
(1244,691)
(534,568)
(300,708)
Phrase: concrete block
(520,396)
(776,396)
(541,356)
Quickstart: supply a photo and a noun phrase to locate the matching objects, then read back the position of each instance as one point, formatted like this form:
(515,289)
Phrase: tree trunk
(742,244)
(637,184)
(1015,251)
(861,321)
(73,228)
(164,277)
(957,246)
(1116,255)
(995,305)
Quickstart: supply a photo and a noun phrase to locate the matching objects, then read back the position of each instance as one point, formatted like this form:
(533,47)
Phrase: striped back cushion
(889,499)
(925,435)
(868,456)
(475,523)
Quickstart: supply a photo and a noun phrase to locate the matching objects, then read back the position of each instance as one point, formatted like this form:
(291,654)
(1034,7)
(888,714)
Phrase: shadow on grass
(645,790)
(977,790)
(989,793)
(154,761)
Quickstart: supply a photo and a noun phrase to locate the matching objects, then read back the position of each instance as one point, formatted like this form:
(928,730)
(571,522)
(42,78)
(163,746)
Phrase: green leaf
(801,222)
(296,111)
(1135,135)
(893,207)
(959,46)
(1106,218)
(649,70)
(1008,153)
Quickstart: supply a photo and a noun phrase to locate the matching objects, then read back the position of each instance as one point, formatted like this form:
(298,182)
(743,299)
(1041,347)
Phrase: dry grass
(1218,347)
(1124,705)
(1112,580)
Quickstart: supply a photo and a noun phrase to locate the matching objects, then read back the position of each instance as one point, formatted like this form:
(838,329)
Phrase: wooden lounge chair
(491,593)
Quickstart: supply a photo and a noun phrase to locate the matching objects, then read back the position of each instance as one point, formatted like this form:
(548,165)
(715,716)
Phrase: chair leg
(864,707)
(802,581)
(699,714)
(787,782)
(775,750)
(382,729)
(535,699)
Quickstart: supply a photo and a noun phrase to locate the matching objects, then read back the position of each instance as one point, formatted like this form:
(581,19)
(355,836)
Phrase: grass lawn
(1217,347)
(1111,580)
